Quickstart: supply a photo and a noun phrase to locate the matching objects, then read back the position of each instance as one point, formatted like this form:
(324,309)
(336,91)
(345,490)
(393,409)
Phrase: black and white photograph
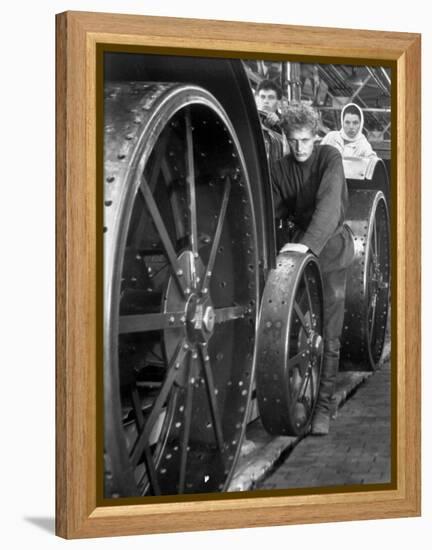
(247,248)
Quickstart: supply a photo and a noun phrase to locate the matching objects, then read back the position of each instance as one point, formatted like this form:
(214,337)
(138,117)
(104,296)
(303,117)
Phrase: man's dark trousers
(334,283)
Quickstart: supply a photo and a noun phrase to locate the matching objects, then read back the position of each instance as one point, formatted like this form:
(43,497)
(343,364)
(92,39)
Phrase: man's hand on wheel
(294,247)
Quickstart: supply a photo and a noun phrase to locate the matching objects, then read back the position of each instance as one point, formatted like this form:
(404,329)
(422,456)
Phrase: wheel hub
(199,316)
(316,345)
(200,319)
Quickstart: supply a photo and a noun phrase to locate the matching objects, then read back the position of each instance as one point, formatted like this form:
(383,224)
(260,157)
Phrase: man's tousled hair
(299,116)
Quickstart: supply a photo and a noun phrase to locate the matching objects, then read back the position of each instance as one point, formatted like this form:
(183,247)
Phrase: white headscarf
(360,131)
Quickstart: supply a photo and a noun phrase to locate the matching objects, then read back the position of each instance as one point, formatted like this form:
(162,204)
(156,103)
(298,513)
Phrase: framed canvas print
(238,252)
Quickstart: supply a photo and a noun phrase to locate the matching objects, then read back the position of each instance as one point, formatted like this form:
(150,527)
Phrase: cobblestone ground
(357,449)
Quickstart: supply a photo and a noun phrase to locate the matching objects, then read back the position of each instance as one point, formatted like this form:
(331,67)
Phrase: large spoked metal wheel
(368,278)
(181,291)
(290,344)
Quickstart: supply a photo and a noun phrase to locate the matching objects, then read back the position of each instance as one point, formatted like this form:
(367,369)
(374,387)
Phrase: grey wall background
(27,272)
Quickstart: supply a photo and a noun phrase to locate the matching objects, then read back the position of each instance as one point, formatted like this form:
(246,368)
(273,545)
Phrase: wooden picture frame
(78,513)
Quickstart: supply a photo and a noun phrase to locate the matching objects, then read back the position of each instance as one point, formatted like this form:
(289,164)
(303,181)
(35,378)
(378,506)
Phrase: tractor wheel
(180,291)
(290,344)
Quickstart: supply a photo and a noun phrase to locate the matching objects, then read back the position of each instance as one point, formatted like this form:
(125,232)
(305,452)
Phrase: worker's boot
(325,403)
(320,423)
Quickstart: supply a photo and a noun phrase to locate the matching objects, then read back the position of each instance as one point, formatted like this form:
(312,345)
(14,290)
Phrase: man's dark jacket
(315,193)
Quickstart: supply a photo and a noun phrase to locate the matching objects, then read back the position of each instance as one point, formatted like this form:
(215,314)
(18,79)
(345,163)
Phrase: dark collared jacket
(315,194)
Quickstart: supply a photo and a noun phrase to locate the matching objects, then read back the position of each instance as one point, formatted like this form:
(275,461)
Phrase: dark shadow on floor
(46,524)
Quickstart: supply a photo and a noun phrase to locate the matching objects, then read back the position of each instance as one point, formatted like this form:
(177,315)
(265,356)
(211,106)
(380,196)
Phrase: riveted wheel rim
(368,282)
(377,283)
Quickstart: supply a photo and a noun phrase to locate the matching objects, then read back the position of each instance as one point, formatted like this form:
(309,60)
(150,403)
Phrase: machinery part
(368,278)
(181,291)
(367,173)
(290,344)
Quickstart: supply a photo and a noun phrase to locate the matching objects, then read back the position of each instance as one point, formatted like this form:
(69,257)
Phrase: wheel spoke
(191,191)
(312,385)
(158,271)
(218,233)
(154,483)
(302,390)
(174,200)
(307,405)
(137,408)
(149,321)
(372,309)
(217,425)
(160,155)
(295,360)
(161,229)
(143,437)
(301,362)
(301,317)
(224,314)
(186,429)
(308,294)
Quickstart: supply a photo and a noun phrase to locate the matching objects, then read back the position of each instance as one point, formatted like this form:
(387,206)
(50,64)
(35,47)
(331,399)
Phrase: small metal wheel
(368,278)
(290,344)
(181,291)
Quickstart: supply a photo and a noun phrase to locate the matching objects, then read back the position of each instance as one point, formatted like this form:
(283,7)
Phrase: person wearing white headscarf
(350,140)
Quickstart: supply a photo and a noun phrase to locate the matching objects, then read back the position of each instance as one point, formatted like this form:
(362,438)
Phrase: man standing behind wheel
(268,96)
(309,186)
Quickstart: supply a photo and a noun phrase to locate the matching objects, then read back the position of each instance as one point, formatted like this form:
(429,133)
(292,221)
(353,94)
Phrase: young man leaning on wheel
(309,186)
